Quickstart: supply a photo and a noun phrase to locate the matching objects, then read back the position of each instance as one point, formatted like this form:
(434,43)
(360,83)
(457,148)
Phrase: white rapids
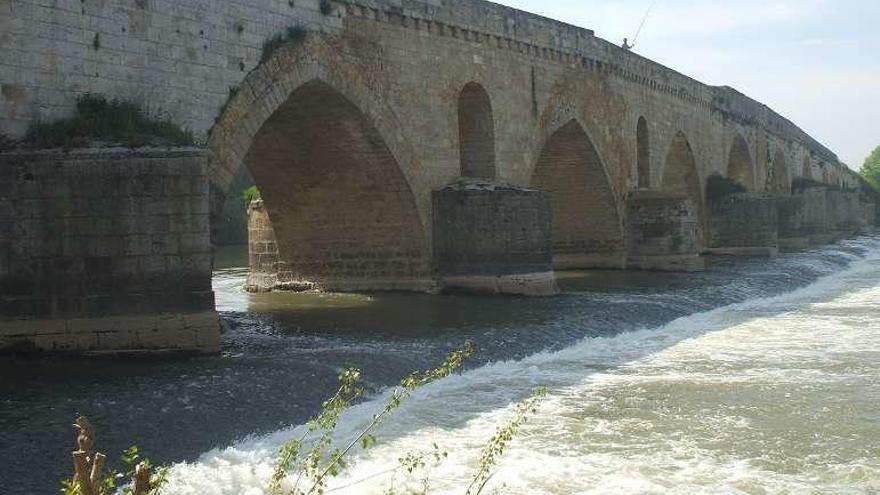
(773,396)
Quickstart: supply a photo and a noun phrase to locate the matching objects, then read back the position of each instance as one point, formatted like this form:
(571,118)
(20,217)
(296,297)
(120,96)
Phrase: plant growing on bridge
(106,121)
(294,34)
(718,187)
(871,168)
(251,194)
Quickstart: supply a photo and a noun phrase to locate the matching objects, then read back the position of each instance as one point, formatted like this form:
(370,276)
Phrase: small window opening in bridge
(643,150)
(476,133)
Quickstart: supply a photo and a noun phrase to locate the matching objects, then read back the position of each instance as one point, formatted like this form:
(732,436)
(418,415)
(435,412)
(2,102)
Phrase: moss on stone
(110,122)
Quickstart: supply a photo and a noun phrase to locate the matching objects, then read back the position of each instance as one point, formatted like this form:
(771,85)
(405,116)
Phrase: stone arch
(343,214)
(587,231)
(680,174)
(643,153)
(476,132)
(269,85)
(739,163)
(780,183)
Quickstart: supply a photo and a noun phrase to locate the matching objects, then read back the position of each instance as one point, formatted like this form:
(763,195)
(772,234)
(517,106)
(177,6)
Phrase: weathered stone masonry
(106,250)
(351,131)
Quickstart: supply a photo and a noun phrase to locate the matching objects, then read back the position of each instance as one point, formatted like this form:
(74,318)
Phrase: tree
(871,169)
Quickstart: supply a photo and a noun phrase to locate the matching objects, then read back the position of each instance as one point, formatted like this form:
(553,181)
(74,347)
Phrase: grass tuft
(295,34)
(251,194)
(101,121)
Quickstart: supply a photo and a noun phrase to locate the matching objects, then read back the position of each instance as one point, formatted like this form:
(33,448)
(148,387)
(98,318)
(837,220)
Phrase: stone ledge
(757,251)
(525,284)
(685,263)
(188,332)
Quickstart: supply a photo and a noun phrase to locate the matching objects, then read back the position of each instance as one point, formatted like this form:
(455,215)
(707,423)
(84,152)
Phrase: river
(755,377)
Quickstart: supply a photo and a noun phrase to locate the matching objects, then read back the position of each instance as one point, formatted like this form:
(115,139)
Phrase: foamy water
(767,396)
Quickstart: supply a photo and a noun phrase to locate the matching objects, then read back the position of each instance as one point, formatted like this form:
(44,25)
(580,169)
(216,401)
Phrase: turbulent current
(756,377)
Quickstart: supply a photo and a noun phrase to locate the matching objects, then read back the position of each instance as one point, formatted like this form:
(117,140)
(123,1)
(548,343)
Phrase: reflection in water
(639,403)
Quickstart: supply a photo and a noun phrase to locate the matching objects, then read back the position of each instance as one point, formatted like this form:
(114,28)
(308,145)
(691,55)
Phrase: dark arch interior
(339,204)
(739,164)
(680,175)
(643,147)
(586,224)
(476,133)
(780,183)
(807,171)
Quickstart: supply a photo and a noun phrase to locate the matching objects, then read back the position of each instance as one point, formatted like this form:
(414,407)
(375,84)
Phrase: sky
(817,62)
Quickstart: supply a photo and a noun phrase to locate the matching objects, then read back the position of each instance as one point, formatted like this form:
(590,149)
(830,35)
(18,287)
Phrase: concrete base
(789,244)
(762,251)
(587,261)
(193,332)
(525,284)
(819,239)
(686,263)
(266,282)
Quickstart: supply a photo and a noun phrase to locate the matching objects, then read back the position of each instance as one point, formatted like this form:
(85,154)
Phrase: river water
(756,377)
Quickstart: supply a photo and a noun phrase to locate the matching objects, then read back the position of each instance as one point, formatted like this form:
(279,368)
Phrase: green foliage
(313,462)
(326,7)
(251,194)
(718,187)
(110,485)
(109,121)
(295,34)
(871,169)
(496,446)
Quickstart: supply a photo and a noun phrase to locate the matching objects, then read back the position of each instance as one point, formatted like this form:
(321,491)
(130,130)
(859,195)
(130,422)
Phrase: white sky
(816,62)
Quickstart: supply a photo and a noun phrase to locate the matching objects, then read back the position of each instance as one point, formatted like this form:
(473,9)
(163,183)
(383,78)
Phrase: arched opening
(586,224)
(643,158)
(780,182)
(739,164)
(476,132)
(680,176)
(680,172)
(343,214)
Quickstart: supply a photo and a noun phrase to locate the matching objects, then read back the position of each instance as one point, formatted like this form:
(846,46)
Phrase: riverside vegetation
(307,463)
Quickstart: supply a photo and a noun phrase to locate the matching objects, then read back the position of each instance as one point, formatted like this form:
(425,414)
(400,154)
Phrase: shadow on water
(281,353)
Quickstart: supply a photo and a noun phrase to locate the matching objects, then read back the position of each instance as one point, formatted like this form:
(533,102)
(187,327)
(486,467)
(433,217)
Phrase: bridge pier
(743,224)
(664,233)
(106,251)
(493,238)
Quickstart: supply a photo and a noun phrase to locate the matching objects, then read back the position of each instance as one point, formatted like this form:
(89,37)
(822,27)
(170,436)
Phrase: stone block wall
(663,233)
(743,220)
(263,258)
(106,249)
(494,238)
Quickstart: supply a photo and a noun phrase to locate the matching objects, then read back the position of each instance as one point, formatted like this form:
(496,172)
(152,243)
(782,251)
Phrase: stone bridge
(348,132)
(356,127)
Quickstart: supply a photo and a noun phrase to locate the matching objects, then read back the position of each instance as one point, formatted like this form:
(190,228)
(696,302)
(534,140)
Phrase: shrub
(251,194)
(295,34)
(718,187)
(106,121)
